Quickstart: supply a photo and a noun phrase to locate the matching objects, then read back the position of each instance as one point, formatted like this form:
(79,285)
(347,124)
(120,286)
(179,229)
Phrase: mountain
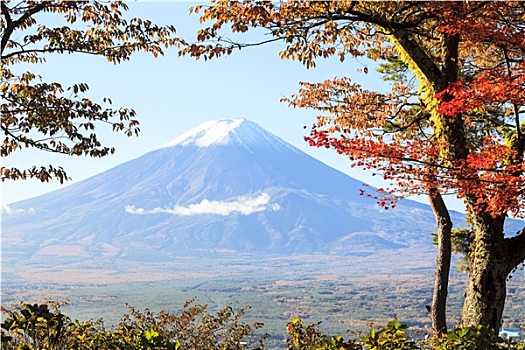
(225,186)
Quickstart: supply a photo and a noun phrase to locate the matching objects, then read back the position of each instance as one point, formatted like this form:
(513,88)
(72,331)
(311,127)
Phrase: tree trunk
(488,271)
(438,310)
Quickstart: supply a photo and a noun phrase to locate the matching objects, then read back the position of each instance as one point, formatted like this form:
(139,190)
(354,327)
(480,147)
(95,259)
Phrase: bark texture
(492,259)
(438,311)
(489,268)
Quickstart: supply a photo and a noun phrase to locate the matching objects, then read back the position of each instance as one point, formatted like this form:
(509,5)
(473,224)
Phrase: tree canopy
(452,60)
(451,122)
(44,115)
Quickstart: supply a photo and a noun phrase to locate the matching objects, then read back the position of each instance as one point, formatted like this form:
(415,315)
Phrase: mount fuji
(225,186)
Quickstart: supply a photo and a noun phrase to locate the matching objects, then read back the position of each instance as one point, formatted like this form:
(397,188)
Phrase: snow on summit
(228,132)
(209,133)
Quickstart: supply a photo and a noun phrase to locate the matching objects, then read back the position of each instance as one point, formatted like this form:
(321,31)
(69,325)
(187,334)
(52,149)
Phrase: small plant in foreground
(44,327)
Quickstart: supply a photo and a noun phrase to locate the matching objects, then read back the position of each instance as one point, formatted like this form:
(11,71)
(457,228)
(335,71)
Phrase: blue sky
(172,95)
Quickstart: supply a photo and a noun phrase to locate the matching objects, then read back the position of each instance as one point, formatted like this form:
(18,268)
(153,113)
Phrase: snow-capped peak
(240,132)
(213,132)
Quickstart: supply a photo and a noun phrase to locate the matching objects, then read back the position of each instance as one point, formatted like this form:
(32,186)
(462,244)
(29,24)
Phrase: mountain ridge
(225,185)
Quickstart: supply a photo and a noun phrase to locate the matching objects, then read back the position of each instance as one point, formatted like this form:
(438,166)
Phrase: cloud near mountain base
(245,205)
(7,210)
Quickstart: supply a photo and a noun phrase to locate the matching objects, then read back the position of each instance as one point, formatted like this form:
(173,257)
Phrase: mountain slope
(226,185)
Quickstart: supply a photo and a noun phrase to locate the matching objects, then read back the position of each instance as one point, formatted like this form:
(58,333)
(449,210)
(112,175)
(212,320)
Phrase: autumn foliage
(401,134)
(46,115)
(451,122)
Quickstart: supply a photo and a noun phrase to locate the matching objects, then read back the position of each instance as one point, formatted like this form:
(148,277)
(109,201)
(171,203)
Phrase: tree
(45,115)
(450,123)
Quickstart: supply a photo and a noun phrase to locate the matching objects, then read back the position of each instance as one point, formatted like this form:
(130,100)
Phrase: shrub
(302,337)
(475,337)
(393,337)
(32,327)
(44,327)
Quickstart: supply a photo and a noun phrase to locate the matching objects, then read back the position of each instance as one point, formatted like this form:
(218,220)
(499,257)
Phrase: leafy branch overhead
(46,115)
(409,135)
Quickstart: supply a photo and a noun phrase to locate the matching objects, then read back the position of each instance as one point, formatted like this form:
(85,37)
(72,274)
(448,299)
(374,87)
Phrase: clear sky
(172,95)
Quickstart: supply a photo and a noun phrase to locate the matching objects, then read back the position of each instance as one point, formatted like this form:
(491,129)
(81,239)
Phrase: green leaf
(151,334)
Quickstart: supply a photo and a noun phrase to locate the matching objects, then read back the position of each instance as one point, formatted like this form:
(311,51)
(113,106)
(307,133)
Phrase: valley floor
(345,293)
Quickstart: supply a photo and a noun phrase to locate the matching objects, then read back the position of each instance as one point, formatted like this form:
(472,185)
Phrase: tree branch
(8,26)
(61,50)
(420,58)
(515,250)
(12,25)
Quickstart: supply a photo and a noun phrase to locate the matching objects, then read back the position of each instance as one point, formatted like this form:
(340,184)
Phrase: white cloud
(7,210)
(245,205)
